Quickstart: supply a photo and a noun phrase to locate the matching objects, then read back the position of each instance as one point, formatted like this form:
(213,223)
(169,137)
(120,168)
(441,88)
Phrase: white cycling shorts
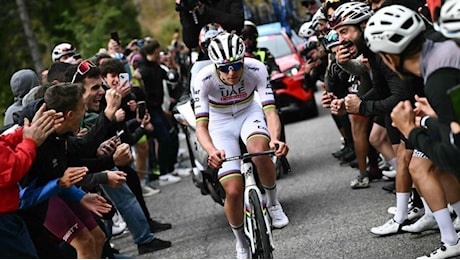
(226,129)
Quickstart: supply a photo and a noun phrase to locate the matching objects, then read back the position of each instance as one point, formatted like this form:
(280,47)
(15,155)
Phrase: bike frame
(247,170)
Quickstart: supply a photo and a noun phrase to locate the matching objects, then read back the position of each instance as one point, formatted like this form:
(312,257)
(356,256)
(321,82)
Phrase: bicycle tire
(263,249)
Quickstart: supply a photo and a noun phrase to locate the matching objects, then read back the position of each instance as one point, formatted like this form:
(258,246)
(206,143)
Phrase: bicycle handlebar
(248,155)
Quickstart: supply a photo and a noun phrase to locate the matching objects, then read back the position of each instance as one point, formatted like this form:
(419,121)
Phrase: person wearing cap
(226,111)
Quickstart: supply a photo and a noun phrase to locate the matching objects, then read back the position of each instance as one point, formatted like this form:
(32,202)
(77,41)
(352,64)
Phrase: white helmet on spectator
(351,13)
(319,15)
(226,48)
(307,30)
(392,28)
(449,19)
(61,50)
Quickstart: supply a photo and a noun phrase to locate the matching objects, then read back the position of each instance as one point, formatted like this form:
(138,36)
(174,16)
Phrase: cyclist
(224,102)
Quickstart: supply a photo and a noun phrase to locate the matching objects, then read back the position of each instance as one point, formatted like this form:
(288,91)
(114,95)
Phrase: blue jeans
(15,241)
(131,211)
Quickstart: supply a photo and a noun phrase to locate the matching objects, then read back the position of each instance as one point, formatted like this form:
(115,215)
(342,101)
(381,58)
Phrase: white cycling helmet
(352,13)
(61,50)
(319,15)
(226,48)
(307,30)
(392,28)
(449,19)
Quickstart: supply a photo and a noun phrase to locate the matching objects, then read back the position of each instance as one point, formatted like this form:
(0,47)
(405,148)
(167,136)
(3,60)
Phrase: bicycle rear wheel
(263,249)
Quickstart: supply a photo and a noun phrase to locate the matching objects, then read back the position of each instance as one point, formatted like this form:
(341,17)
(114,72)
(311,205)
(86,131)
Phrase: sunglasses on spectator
(232,66)
(83,68)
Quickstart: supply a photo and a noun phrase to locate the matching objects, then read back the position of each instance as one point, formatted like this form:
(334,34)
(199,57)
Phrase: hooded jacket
(21,83)
(17,156)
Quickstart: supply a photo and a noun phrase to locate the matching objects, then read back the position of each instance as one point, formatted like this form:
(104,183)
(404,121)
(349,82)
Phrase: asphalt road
(327,218)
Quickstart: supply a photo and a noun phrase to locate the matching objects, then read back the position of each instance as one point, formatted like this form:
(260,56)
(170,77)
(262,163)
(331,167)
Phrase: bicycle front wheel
(263,249)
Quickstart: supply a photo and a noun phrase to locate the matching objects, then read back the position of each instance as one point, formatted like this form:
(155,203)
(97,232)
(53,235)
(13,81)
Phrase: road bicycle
(257,225)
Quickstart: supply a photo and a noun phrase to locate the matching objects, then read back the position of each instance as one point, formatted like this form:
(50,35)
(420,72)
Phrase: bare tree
(30,36)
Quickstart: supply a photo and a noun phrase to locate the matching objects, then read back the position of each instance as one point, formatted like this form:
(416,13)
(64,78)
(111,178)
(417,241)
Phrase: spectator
(18,153)
(197,13)
(21,83)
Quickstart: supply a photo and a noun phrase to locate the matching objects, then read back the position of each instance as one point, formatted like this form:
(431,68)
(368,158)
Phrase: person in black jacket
(153,76)
(194,14)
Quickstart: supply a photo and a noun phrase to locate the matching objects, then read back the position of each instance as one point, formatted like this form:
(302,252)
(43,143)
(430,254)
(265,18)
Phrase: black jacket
(152,76)
(228,13)
(387,90)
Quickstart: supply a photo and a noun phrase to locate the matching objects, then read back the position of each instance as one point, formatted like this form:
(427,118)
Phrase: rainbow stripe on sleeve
(202,117)
(268,104)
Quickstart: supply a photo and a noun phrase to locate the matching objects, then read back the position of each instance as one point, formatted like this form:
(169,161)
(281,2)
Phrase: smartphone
(454,95)
(124,77)
(114,36)
(140,43)
(141,108)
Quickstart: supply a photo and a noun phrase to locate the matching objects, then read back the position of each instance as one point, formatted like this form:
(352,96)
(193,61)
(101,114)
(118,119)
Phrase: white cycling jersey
(231,110)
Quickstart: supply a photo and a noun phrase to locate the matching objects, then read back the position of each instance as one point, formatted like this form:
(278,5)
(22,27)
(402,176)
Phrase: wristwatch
(423,122)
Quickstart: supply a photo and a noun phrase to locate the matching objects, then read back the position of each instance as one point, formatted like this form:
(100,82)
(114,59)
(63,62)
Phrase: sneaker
(182,172)
(148,191)
(348,155)
(156,226)
(413,212)
(391,227)
(390,187)
(383,164)
(360,182)
(168,179)
(390,174)
(422,224)
(277,215)
(337,154)
(443,251)
(118,224)
(374,174)
(154,245)
(118,228)
(242,252)
(353,164)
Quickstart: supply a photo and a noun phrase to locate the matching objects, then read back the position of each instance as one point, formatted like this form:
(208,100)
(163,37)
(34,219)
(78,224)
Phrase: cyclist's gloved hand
(216,158)
(280,148)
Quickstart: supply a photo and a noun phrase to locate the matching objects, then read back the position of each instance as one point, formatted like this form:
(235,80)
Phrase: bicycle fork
(250,184)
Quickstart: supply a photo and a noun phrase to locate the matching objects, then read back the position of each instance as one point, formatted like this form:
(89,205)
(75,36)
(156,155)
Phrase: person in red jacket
(17,152)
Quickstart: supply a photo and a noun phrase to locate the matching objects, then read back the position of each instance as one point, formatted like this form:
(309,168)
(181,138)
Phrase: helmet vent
(408,24)
(396,38)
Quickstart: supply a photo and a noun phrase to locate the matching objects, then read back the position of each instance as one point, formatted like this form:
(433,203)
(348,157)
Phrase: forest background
(29,29)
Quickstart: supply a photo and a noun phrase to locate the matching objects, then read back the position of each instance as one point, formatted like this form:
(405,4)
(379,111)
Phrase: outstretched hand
(96,204)
(41,127)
